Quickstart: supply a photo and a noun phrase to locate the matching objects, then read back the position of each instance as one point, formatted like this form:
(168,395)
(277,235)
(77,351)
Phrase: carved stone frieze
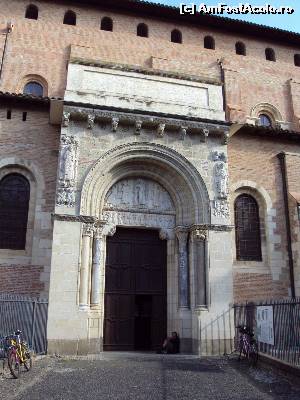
(138,194)
(68,159)
(221,209)
(139,219)
(75,218)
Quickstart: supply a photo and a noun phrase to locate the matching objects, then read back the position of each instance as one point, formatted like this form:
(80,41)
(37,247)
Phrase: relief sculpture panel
(139,194)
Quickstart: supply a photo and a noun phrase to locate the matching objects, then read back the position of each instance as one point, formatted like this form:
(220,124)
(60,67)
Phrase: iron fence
(28,315)
(276,325)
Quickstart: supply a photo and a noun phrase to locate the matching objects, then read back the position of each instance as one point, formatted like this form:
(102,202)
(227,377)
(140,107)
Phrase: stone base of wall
(78,347)
(253,287)
(22,279)
(216,347)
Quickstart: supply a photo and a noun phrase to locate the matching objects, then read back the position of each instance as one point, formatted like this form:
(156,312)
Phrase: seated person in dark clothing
(171,344)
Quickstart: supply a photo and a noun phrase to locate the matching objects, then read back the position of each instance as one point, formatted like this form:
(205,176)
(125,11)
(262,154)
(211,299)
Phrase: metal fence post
(33,323)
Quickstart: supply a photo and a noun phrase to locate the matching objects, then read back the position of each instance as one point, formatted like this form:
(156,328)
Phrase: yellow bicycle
(18,354)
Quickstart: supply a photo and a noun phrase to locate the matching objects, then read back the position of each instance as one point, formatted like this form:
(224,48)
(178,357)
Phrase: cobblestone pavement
(121,376)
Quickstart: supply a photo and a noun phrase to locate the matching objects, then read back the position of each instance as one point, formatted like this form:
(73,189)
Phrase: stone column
(96,269)
(87,234)
(183,269)
(198,245)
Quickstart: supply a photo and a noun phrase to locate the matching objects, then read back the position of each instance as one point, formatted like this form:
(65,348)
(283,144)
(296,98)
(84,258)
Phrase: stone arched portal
(143,185)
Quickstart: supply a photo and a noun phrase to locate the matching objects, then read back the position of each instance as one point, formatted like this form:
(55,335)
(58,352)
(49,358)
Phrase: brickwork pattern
(42,47)
(21,279)
(255,159)
(34,143)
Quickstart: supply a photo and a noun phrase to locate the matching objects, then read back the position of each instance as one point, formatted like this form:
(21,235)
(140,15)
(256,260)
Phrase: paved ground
(121,376)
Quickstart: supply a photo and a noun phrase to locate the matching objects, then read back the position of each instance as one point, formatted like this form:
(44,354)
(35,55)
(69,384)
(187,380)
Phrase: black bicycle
(247,345)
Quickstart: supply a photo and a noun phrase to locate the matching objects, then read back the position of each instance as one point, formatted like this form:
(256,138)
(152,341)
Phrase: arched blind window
(70,18)
(32,12)
(240,48)
(33,88)
(106,24)
(297,60)
(209,42)
(247,229)
(176,36)
(14,203)
(270,54)
(142,30)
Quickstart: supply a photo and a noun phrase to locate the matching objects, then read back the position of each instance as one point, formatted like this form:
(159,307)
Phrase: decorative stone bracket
(159,124)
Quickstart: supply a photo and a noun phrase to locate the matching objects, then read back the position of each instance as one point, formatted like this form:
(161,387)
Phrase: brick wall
(30,148)
(42,48)
(22,279)
(253,160)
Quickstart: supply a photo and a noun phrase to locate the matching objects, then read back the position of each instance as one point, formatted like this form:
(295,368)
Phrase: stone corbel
(138,127)
(114,124)
(161,130)
(183,132)
(66,119)
(226,138)
(90,121)
(204,137)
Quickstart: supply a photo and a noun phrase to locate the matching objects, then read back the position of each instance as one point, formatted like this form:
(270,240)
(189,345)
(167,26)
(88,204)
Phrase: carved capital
(182,235)
(198,233)
(114,124)
(161,130)
(90,121)
(88,230)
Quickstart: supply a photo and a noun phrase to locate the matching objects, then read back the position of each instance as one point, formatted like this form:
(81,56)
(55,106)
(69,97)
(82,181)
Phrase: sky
(290,22)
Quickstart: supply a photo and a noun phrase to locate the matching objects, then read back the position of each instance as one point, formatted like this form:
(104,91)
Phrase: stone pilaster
(198,257)
(183,269)
(96,268)
(87,235)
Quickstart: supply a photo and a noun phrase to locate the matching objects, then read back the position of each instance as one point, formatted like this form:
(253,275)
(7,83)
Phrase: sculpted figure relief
(138,193)
(67,171)
(221,177)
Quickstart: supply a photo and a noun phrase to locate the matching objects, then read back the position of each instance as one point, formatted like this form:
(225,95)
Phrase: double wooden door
(135,290)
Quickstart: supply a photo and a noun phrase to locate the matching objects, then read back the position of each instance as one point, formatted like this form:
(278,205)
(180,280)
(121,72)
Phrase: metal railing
(276,325)
(27,314)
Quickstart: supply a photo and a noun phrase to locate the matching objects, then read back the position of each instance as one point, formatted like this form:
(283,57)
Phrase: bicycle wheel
(13,363)
(253,355)
(28,359)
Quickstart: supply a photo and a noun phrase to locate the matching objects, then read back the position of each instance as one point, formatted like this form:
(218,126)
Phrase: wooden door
(135,290)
